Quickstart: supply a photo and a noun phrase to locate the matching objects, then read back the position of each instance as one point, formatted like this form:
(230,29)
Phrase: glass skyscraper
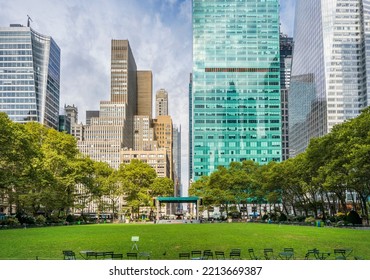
(235,99)
(331,67)
(286,51)
(29,76)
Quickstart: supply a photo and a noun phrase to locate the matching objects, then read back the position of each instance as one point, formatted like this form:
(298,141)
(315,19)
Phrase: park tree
(136,179)
(201,188)
(60,158)
(162,186)
(100,183)
(219,184)
(112,192)
(84,183)
(17,151)
(358,158)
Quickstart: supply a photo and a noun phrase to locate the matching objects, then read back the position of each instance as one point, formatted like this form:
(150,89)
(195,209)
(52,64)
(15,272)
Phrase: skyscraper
(177,159)
(331,67)
(163,130)
(161,103)
(144,93)
(286,51)
(29,76)
(112,130)
(236,112)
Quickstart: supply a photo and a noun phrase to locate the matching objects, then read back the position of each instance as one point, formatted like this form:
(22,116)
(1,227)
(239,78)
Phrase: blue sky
(159,32)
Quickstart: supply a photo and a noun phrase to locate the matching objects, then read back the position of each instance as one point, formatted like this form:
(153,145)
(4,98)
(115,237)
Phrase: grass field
(167,241)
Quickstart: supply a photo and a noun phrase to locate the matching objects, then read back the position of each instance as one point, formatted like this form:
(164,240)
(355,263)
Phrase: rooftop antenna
(29,21)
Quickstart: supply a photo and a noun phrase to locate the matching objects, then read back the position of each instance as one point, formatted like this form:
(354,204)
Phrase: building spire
(29,19)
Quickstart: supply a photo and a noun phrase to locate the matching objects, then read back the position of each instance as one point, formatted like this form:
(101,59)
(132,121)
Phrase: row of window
(16,88)
(14,46)
(18,100)
(13,64)
(17,94)
(15,58)
(16,106)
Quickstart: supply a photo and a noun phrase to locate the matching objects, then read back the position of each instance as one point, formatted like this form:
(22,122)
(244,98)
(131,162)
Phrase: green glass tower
(235,98)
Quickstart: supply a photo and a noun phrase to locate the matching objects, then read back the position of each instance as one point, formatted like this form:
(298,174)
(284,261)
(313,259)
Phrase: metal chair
(131,256)
(340,254)
(90,255)
(220,255)
(69,255)
(269,254)
(207,254)
(195,254)
(252,255)
(184,256)
(235,254)
(144,255)
(311,253)
(117,256)
(108,255)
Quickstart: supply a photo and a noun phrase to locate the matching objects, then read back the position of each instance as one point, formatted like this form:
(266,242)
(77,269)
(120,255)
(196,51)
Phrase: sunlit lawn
(167,241)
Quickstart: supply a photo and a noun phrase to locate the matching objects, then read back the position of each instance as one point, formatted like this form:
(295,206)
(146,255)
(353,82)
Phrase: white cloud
(287,11)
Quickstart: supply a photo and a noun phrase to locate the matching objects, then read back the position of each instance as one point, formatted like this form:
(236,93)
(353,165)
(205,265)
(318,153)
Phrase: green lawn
(167,241)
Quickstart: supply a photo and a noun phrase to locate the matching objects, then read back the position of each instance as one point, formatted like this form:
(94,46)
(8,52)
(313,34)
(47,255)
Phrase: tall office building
(190,167)
(124,85)
(77,129)
(161,103)
(113,129)
(331,67)
(286,50)
(29,76)
(236,112)
(144,93)
(176,144)
(163,131)
(91,114)
(144,139)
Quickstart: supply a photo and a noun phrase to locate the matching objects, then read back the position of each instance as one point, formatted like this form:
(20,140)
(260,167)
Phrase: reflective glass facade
(29,76)
(286,51)
(235,100)
(331,61)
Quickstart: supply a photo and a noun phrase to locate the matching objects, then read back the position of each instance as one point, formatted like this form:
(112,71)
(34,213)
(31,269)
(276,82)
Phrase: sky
(159,33)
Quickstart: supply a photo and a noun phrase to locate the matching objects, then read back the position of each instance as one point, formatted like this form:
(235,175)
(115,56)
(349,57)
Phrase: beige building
(104,137)
(161,103)
(157,159)
(163,135)
(144,93)
(77,129)
(144,134)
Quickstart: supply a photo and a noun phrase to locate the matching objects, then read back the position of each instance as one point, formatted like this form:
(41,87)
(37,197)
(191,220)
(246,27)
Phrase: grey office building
(29,76)
(331,67)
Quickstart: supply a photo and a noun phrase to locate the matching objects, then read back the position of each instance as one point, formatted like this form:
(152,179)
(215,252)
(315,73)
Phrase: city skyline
(160,32)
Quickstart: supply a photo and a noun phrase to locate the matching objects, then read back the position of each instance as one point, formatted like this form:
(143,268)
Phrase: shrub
(70,218)
(234,215)
(310,220)
(12,221)
(26,219)
(340,216)
(299,219)
(40,220)
(283,217)
(54,219)
(273,216)
(354,218)
(265,217)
